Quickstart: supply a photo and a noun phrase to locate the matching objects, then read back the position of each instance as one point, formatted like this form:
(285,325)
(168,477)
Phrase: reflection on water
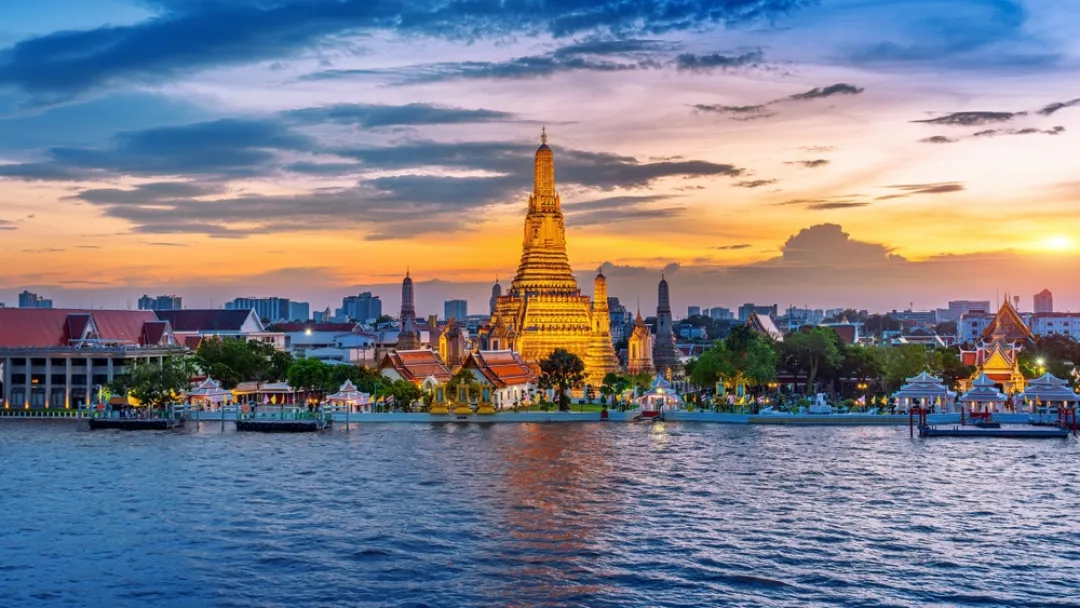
(534,515)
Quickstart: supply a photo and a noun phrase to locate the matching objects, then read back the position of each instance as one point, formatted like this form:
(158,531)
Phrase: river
(675,514)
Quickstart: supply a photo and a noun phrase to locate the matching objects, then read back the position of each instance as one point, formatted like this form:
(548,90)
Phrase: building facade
(161,303)
(639,348)
(665,359)
(364,307)
(458,309)
(270,310)
(1044,302)
(28,299)
(544,308)
(55,358)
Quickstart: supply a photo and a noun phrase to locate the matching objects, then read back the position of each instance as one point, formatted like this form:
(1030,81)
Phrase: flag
(266,399)
(862,400)
(389,399)
(937,401)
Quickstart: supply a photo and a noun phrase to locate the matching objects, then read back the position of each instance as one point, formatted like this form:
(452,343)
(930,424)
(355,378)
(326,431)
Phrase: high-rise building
(1044,301)
(458,309)
(664,357)
(364,308)
(544,309)
(720,314)
(270,309)
(749,308)
(161,303)
(693,311)
(32,300)
(620,320)
(299,311)
(959,308)
(408,334)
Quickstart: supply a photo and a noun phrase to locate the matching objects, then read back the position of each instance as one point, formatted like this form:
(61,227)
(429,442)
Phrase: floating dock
(136,424)
(1009,432)
(280,426)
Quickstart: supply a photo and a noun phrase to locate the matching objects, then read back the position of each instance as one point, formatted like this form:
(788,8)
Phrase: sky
(878,154)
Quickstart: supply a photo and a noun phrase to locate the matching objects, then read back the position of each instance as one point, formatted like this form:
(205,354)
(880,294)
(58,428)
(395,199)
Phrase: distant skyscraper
(299,311)
(364,307)
(748,309)
(1044,301)
(161,303)
(459,309)
(408,335)
(693,311)
(269,309)
(664,357)
(33,300)
(720,314)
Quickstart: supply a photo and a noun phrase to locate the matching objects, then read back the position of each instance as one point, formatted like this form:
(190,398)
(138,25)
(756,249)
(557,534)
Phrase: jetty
(294,421)
(983,425)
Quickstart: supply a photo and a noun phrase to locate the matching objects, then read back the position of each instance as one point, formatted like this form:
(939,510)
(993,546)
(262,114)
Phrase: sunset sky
(874,154)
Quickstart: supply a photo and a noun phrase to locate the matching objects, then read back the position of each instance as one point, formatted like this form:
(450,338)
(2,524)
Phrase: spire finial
(543,134)
(407,270)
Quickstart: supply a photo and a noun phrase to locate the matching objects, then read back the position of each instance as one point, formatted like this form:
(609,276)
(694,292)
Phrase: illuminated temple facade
(997,353)
(543,308)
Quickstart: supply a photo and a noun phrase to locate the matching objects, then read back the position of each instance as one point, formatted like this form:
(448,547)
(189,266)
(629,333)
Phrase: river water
(535,515)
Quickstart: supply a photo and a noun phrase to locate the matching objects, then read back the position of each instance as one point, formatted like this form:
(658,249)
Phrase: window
(78,380)
(58,362)
(18,379)
(58,378)
(100,379)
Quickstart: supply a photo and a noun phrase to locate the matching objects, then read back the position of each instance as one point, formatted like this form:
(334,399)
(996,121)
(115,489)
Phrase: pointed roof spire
(543,134)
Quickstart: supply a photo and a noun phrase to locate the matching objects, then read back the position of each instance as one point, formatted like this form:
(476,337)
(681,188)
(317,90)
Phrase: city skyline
(812,154)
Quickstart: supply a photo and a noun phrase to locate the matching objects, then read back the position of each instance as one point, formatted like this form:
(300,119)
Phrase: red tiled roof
(49,327)
(502,368)
(204,320)
(416,365)
(192,342)
(155,332)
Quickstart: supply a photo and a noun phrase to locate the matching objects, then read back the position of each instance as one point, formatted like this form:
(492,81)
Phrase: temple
(408,335)
(639,348)
(665,358)
(543,308)
(997,353)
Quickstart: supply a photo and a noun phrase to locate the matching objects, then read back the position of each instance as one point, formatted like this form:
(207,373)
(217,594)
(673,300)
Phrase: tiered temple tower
(664,357)
(409,335)
(496,291)
(639,348)
(544,309)
(601,352)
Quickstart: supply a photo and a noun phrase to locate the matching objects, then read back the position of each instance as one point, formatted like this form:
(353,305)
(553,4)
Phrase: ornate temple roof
(1007,324)
(763,324)
(502,368)
(1048,388)
(415,365)
(983,390)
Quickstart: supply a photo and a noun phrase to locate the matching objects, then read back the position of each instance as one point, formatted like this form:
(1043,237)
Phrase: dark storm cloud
(753,112)
(370,115)
(809,164)
(193,36)
(1059,105)
(718,61)
(971,119)
(756,183)
(938,139)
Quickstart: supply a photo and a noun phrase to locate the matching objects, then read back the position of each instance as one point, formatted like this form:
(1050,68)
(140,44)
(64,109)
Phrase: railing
(39,414)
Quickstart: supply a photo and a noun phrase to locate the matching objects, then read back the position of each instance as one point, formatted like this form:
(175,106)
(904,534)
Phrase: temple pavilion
(997,353)
(544,308)
(922,390)
(1050,391)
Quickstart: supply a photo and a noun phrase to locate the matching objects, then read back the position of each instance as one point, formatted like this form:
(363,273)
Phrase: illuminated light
(1040,362)
(1058,242)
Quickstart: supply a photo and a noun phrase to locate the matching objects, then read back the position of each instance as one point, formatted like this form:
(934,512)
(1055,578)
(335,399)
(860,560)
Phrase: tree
(232,360)
(748,357)
(155,384)
(812,352)
(310,376)
(562,370)
(861,362)
(904,361)
(945,362)
(464,378)
(363,378)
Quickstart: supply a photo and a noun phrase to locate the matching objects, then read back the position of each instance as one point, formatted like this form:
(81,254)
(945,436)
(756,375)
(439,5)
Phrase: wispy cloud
(764,110)
(754,183)
(809,164)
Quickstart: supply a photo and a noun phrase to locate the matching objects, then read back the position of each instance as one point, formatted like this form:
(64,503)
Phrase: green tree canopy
(811,352)
(903,362)
(154,384)
(310,375)
(562,370)
(232,360)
